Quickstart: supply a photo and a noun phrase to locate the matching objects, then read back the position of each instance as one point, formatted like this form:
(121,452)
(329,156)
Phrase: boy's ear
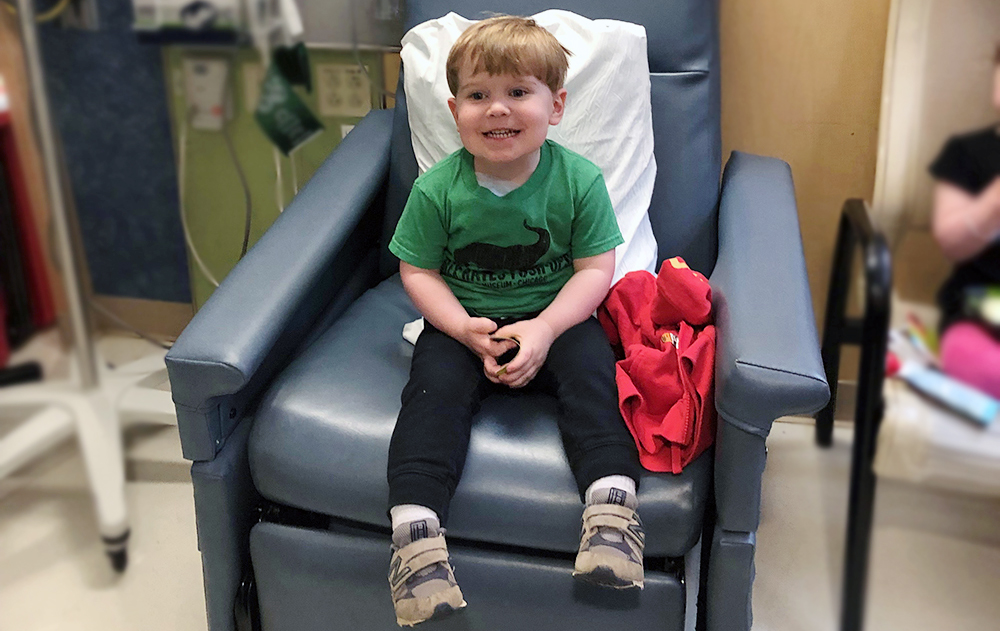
(558,106)
(453,106)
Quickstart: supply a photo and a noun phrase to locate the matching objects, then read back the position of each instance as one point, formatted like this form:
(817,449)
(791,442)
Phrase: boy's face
(503,119)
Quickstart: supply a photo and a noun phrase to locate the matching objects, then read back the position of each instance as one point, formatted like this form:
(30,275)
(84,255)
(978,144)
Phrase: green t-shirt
(507,256)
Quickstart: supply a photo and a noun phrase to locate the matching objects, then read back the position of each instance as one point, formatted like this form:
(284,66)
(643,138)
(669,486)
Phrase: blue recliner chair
(287,386)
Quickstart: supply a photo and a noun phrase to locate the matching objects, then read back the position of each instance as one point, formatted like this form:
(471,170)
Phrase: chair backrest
(683,40)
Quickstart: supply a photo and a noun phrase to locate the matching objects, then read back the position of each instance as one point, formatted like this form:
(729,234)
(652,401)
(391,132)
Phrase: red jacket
(660,329)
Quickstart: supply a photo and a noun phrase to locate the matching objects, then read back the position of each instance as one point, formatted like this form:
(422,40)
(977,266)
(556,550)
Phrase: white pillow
(608,117)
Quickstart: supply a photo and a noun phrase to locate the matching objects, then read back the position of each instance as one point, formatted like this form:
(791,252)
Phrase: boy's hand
(535,337)
(476,335)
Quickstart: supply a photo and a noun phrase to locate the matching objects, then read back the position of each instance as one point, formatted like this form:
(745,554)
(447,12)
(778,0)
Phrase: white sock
(597,492)
(405,513)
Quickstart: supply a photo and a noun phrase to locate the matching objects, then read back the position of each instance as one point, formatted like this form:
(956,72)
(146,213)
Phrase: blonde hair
(509,44)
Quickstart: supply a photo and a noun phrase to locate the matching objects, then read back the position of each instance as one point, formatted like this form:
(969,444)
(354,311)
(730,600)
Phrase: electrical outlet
(343,90)
(205,91)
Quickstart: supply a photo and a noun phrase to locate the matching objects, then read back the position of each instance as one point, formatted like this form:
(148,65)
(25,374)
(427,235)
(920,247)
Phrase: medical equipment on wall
(200,113)
(325,23)
(278,31)
(188,15)
(280,112)
(271,27)
(260,23)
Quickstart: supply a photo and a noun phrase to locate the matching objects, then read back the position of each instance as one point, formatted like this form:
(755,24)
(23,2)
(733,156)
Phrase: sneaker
(421,578)
(611,547)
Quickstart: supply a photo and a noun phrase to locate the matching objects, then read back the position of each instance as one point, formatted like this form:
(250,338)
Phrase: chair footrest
(316,579)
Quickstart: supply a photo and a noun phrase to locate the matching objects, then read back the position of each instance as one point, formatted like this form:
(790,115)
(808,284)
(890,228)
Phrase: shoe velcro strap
(611,515)
(422,553)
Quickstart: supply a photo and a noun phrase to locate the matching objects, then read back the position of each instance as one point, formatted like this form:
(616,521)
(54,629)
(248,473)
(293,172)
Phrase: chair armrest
(767,358)
(767,354)
(264,306)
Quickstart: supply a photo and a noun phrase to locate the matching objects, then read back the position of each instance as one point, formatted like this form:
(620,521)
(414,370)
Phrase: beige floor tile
(54,575)
(935,561)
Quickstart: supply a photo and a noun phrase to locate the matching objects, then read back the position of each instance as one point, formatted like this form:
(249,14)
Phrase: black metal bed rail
(871,332)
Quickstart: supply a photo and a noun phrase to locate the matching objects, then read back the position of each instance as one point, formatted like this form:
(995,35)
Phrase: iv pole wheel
(117,550)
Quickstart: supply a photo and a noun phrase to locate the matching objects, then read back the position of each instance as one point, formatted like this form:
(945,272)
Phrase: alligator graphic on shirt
(511,257)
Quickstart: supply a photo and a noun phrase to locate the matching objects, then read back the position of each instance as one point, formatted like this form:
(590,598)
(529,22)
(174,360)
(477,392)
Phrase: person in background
(966,225)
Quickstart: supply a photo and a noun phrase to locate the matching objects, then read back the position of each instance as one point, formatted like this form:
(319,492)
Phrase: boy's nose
(498,108)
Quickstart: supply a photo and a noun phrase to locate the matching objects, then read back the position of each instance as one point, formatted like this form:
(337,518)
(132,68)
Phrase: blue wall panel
(109,101)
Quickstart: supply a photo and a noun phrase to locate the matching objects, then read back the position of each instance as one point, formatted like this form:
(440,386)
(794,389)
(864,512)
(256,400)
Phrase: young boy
(507,246)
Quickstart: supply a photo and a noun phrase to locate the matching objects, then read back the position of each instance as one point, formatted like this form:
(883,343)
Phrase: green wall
(213,197)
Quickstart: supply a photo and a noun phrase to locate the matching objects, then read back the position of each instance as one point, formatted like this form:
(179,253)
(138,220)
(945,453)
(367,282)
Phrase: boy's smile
(503,121)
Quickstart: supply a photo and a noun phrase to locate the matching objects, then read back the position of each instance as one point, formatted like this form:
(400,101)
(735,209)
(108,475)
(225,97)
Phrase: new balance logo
(637,531)
(418,530)
(397,573)
(616,496)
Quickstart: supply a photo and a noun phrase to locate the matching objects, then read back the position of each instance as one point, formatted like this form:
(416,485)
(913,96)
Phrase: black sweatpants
(447,384)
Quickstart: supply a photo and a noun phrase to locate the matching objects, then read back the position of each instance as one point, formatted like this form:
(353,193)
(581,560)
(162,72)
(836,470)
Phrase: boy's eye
(477,96)
(518,93)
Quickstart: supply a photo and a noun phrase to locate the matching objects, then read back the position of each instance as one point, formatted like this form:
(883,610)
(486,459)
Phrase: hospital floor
(935,556)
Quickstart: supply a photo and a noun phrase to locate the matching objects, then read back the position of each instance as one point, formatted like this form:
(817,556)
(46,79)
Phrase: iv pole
(96,401)
(83,344)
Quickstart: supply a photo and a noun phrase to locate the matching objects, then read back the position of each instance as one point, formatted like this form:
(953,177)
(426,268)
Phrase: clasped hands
(534,337)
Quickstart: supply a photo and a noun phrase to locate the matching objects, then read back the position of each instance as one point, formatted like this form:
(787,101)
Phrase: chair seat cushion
(321,436)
